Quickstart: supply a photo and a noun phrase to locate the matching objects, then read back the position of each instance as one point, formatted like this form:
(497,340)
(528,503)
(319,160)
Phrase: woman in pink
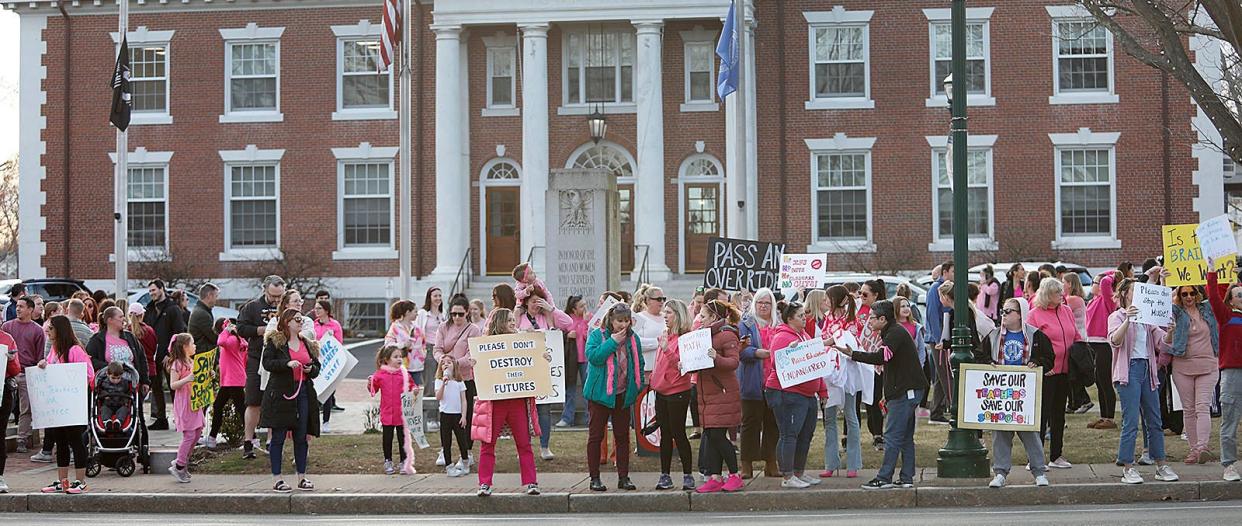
(1195,347)
(323,324)
(232,348)
(672,397)
(796,406)
(575,359)
(189,422)
(1051,315)
(429,320)
(989,293)
(1101,307)
(65,350)
(452,344)
(406,336)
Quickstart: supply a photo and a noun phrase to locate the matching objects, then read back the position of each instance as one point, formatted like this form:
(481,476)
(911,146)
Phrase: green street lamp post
(963,456)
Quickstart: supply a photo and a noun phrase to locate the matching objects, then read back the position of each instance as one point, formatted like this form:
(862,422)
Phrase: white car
(890,283)
(144,297)
(1000,268)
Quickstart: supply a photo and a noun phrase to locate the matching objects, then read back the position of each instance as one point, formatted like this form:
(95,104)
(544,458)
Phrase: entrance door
(702,209)
(503,227)
(625,212)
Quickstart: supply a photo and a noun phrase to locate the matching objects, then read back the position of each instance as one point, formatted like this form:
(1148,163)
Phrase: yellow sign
(205,384)
(1184,260)
(511,366)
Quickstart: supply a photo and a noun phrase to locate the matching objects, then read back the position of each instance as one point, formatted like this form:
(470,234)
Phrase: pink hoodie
(666,378)
(1101,307)
(389,383)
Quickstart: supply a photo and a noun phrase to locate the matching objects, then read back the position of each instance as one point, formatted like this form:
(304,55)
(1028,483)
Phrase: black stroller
(117,434)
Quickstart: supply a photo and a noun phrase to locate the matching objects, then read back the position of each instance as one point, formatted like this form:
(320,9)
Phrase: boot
(746,469)
(771,469)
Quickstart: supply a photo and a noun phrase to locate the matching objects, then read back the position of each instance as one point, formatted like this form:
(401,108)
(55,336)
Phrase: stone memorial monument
(584,238)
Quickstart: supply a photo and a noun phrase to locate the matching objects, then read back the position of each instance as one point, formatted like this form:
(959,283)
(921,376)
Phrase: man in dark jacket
(202,321)
(252,325)
(166,318)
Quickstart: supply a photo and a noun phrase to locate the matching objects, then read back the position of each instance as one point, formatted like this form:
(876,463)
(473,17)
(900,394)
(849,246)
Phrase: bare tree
(1155,32)
(303,270)
(8,217)
(182,273)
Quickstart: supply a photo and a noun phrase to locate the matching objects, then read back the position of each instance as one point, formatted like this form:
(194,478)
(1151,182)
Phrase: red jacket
(782,338)
(13,367)
(1230,322)
(667,379)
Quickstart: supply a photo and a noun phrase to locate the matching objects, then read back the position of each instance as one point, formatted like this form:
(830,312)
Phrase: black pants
(472,391)
(717,450)
(327,407)
(875,415)
(1078,396)
(236,395)
(671,414)
(8,399)
(1171,419)
(450,426)
(1056,392)
(694,405)
(389,431)
(157,392)
(1104,380)
(69,438)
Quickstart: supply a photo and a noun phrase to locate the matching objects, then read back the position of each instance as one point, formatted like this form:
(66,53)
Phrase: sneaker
(454,471)
(711,485)
(1106,423)
(810,480)
(42,456)
(532,489)
(323,428)
(182,475)
(546,453)
(21,447)
(440,459)
(1085,407)
(469,460)
(1231,474)
(4,487)
(666,482)
(734,483)
(202,442)
(625,484)
(687,482)
(248,454)
(1131,476)
(1145,460)
(337,409)
(55,487)
(484,490)
(940,419)
(305,485)
(76,487)
(1041,481)
(464,467)
(1060,463)
(878,484)
(998,481)
(562,423)
(388,468)
(160,424)
(906,484)
(1165,474)
(826,474)
(212,443)
(851,474)
(1184,438)
(794,483)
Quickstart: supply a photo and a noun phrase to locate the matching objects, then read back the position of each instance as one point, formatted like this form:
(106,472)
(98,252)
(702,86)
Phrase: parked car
(890,283)
(54,289)
(1084,275)
(144,297)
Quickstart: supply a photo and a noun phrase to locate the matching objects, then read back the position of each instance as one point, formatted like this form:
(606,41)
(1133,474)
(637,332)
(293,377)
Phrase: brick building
(262,126)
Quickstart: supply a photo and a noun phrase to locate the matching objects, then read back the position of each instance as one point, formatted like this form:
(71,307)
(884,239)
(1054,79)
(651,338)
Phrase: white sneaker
(463,466)
(202,441)
(211,443)
(1060,463)
(1145,460)
(998,481)
(440,459)
(1165,474)
(814,481)
(1041,480)
(4,487)
(453,471)
(470,460)
(323,428)
(546,453)
(42,456)
(1231,473)
(562,423)
(1131,476)
(795,483)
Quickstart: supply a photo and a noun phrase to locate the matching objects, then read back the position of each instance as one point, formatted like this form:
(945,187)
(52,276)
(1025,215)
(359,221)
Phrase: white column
(534,139)
(451,216)
(649,191)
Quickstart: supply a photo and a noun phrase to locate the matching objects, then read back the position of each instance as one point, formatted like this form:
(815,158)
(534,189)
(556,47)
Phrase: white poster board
(412,415)
(1216,238)
(57,395)
(598,317)
(555,341)
(692,347)
(4,368)
(335,363)
(999,397)
(803,271)
(803,362)
(1155,304)
(866,382)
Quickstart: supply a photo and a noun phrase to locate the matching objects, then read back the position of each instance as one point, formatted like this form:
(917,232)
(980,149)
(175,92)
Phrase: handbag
(1082,364)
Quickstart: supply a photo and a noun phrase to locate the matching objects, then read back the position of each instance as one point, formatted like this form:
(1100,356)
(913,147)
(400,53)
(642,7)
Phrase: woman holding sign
(538,314)
(1016,343)
(1226,304)
(66,349)
(673,397)
(841,319)
(795,406)
(1195,347)
(720,398)
(325,324)
(290,404)
(614,378)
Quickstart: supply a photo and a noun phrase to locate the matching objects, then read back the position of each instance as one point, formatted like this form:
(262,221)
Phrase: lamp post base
(963,456)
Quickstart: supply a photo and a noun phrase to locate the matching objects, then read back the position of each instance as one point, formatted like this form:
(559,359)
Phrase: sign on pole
(740,264)
(511,366)
(999,397)
(1183,258)
(555,341)
(335,363)
(803,271)
(1155,304)
(57,395)
(204,386)
(692,347)
(1216,237)
(803,362)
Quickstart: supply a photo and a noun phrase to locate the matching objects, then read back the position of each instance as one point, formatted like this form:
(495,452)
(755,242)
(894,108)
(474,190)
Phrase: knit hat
(136,309)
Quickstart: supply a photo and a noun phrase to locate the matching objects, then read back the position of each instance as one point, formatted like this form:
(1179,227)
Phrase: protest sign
(693,347)
(803,271)
(1155,304)
(335,363)
(511,366)
(803,362)
(555,341)
(866,382)
(57,395)
(4,369)
(412,415)
(999,397)
(1216,237)
(205,384)
(598,317)
(739,264)
(1183,258)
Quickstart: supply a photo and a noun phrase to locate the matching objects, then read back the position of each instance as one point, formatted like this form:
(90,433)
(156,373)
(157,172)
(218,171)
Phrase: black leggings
(472,391)
(1104,379)
(1056,392)
(694,405)
(450,426)
(716,450)
(671,414)
(389,431)
(8,399)
(66,439)
(875,415)
(237,395)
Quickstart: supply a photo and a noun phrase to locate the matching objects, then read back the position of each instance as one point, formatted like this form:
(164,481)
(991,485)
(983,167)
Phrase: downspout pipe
(65,176)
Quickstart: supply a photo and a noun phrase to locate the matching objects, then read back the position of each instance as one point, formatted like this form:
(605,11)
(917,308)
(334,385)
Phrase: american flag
(392,32)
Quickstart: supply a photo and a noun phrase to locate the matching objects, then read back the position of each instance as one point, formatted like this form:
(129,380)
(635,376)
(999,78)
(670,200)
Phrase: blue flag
(727,50)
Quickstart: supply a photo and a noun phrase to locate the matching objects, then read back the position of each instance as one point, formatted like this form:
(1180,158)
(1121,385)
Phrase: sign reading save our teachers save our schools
(999,397)
(804,362)
(511,366)
(740,264)
(1184,257)
(57,395)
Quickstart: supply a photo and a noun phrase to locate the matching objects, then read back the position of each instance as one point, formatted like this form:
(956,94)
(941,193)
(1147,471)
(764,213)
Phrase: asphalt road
(364,351)
(1127,515)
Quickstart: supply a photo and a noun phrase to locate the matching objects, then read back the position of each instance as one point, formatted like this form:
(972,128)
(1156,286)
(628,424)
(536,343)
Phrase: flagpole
(407,212)
(119,179)
(742,216)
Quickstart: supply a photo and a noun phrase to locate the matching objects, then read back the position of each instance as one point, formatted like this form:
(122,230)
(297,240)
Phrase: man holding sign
(795,378)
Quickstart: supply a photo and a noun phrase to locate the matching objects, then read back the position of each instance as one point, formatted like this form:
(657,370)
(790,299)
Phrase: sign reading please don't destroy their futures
(511,366)
(999,397)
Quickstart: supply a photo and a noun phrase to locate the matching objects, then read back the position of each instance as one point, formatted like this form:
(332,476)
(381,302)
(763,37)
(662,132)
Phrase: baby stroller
(116,436)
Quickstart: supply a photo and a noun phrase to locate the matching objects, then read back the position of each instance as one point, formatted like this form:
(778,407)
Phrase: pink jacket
(989,297)
(481,421)
(454,342)
(785,337)
(667,379)
(556,319)
(388,383)
(582,330)
(1121,353)
(1058,325)
(232,359)
(1101,307)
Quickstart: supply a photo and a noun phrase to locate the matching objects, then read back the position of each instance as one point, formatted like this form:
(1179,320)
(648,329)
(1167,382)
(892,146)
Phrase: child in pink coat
(389,382)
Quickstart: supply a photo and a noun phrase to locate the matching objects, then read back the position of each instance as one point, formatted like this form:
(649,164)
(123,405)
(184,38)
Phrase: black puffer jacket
(280,405)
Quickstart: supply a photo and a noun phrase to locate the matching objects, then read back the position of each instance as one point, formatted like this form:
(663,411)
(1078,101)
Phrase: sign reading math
(803,362)
(511,366)
(1183,258)
(205,384)
(740,264)
(999,397)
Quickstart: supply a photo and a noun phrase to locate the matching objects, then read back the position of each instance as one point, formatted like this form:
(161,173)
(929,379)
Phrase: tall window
(501,70)
(978,195)
(1083,49)
(599,67)
(147,207)
(1086,191)
(976,56)
(363,85)
(842,196)
(366,318)
(253,206)
(700,72)
(367,204)
(148,81)
(840,56)
(254,76)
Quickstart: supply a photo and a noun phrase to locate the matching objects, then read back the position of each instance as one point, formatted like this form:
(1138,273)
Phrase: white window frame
(251,34)
(840,144)
(251,156)
(1076,13)
(144,37)
(682,179)
(975,143)
(350,302)
(839,17)
(974,15)
(1085,139)
(501,43)
(141,158)
(363,30)
(699,37)
(608,108)
(364,154)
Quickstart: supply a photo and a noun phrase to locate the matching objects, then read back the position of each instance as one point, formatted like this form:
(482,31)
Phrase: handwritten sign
(511,366)
(1155,304)
(57,395)
(739,264)
(999,397)
(598,318)
(4,369)
(1183,258)
(1216,237)
(335,363)
(555,341)
(412,415)
(806,361)
(205,385)
(803,271)
(693,347)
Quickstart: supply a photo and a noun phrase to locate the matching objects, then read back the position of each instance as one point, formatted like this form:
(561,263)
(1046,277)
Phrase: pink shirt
(332,326)
(1058,325)
(116,349)
(453,342)
(232,359)
(187,420)
(302,356)
(989,297)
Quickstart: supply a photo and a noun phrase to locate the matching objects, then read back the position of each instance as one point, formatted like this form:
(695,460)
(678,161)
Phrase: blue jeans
(832,440)
(1137,396)
(545,424)
(795,419)
(572,396)
(899,438)
(276,450)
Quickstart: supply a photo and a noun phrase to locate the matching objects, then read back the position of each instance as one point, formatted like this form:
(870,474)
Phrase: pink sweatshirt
(666,378)
(545,321)
(1101,307)
(1058,324)
(989,298)
(232,359)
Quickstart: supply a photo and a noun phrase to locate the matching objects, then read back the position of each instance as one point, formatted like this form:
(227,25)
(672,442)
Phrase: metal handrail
(644,274)
(530,256)
(464,276)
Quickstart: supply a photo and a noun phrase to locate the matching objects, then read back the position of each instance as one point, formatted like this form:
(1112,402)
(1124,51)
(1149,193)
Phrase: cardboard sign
(598,318)
(511,366)
(999,397)
(58,395)
(1155,304)
(803,271)
(806,361)
(205,385)
(740,264)
(1183,258)
(4,369)
(693,347)
(1216,237)
(412,415)
(555,341)
(335,363)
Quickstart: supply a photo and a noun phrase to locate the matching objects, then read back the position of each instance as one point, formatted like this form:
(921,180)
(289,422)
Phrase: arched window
(501,171)
(605,156)
(701,166)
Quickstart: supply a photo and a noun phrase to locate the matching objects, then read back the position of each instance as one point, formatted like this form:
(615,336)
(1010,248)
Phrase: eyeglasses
(1189,294)
(660,299)
(457,314)
(1010,311)
(297,319)
(863,293)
